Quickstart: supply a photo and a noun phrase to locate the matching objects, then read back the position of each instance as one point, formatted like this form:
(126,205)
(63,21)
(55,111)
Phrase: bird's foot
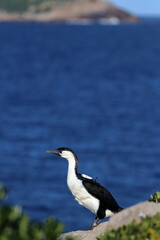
(94,224)
(95,179)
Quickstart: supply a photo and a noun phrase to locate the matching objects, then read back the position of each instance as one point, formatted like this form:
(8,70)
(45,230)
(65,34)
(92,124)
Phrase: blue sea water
(93,88)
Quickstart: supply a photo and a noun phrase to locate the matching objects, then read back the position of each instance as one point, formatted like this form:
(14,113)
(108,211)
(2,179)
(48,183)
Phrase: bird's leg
(95,179)
(95,223)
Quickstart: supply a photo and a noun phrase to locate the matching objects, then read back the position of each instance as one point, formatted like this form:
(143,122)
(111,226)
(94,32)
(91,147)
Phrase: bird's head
(63,152)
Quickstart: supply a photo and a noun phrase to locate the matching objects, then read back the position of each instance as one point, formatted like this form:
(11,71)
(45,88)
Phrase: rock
(71,11)
(120,219)
(90,10)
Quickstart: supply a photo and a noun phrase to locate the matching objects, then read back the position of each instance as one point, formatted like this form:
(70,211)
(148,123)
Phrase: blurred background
(94,88)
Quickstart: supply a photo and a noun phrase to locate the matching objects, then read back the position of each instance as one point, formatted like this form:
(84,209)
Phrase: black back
(105,197)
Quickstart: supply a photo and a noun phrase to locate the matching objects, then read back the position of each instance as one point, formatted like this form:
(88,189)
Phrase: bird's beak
(53,151)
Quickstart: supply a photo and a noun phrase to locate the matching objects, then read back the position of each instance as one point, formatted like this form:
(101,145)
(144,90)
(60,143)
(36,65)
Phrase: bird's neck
(72,167)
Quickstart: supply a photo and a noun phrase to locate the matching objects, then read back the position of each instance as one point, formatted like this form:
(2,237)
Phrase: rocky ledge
(72,11)
(120,219)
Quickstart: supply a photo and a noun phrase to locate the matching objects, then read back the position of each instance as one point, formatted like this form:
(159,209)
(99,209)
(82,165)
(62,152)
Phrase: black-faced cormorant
(86,190)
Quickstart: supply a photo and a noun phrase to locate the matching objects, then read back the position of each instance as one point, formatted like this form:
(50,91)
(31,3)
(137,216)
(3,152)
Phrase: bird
(86,190)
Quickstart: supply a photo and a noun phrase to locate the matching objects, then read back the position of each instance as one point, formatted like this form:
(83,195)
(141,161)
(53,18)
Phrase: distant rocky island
(64,11)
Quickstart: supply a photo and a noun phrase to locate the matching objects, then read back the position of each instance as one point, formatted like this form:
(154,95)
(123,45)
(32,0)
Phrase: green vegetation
(23,5)
(148,229)
(3,192)
(15,225)
(14,5)
(155,197)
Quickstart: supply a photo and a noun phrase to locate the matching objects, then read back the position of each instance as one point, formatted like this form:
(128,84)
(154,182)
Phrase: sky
(140,7)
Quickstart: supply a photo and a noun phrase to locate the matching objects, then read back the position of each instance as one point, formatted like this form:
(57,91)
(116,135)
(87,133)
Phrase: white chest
(81,195)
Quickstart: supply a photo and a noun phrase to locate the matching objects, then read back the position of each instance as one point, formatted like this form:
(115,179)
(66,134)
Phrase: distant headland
(64,11)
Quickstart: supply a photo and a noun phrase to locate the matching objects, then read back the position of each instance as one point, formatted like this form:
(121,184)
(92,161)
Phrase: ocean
(92,88)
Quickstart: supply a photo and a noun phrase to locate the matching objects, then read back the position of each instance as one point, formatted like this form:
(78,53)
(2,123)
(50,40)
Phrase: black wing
(99,192)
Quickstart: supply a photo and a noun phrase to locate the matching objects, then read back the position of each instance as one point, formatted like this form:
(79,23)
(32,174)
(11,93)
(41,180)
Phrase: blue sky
(140,7)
